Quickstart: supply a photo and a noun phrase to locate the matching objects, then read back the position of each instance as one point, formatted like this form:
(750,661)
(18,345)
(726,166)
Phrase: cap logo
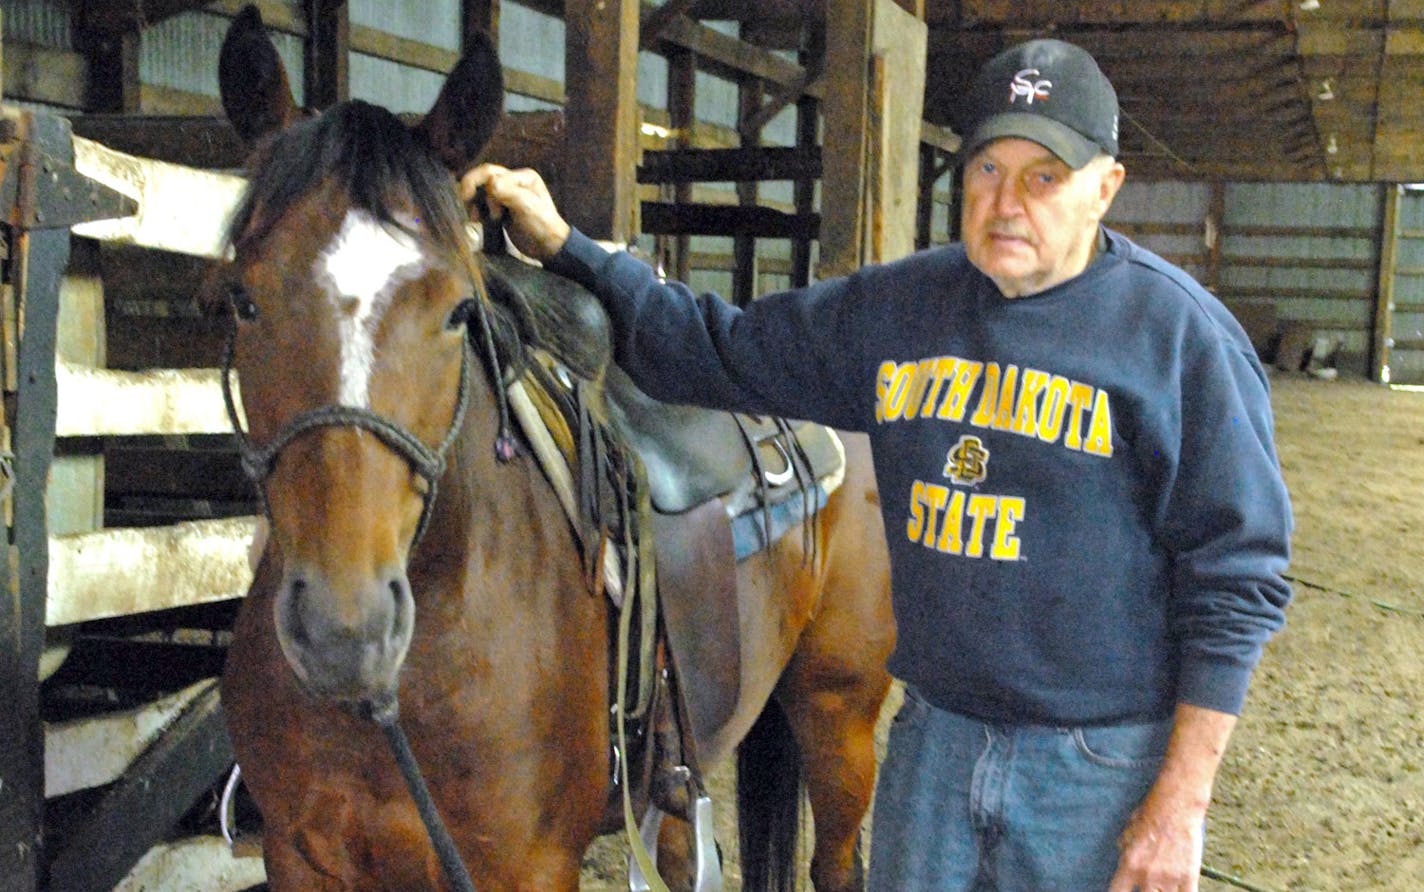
(1028,89)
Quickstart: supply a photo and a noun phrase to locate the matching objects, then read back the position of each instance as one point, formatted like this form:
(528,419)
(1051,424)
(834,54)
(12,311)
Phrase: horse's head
(351,285)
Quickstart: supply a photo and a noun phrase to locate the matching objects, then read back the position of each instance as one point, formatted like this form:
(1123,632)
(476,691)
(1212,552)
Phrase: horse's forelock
(373,158)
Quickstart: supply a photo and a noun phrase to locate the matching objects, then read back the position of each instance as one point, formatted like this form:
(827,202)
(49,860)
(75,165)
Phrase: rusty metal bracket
(39,190)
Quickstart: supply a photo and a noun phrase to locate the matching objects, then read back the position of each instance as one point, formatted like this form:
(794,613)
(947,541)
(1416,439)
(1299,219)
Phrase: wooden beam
(138,811)
(600,75)
(130,16)
(1282,293)
(730,165)
(733,58)
(744,277)
(37,259)
(179,208)
(725,263)
(1251,229)
(328,52)
(41,74)
(942,138)
(207,142)
(681,102)
(414,53)
(1310,262)
(785,94)
(924,208)
(655,20)
(808,134)
(660,218)
(870,147)
(478,16)
(127,570)
(804,190)
(1383,310)
(845,143)
(114,80)
(81,754)
(107,402)
(1215,235)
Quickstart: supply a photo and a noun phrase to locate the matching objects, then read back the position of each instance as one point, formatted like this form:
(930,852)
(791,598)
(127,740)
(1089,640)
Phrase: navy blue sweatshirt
(1085,512)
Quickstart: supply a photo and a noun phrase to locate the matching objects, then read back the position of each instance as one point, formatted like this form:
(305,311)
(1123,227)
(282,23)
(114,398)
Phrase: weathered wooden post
(875,69)
(601,114)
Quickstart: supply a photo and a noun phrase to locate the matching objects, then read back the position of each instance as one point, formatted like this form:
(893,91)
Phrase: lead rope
(387,716)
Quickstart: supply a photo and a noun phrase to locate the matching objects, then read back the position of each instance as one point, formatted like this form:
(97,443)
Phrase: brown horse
(406,558)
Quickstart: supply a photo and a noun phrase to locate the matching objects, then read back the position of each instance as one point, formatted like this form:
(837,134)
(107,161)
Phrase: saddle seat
(688,453)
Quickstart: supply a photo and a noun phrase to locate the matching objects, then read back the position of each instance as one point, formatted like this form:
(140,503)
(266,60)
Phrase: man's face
(1029,220)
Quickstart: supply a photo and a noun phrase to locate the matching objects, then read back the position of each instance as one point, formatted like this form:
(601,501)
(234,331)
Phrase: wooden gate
(104,757)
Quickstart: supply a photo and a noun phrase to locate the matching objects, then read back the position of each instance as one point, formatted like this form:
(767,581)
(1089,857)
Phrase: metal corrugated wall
(1312,251)
(182,53)
(1167,218)
(1302,257)
(44,23)
(1406,353)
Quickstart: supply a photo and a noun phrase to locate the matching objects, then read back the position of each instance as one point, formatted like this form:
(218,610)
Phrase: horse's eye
(243,306)
(463,312)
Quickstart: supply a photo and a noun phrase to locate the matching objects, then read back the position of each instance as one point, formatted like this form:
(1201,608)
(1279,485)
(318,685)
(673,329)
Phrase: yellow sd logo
(968,462)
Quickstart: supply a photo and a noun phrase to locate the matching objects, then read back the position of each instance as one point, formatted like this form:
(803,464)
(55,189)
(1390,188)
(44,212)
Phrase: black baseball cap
(1048,91)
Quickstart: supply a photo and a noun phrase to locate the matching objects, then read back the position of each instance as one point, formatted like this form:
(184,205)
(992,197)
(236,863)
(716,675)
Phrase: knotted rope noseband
(258,459)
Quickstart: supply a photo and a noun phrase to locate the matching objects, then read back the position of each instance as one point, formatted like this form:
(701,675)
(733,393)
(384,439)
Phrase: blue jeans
(963,804)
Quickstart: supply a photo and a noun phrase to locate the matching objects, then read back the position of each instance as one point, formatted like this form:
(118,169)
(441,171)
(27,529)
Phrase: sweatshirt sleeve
(1228,524)
(792,354)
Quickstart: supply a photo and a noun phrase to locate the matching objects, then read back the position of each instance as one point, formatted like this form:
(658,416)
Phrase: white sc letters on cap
(1029,89)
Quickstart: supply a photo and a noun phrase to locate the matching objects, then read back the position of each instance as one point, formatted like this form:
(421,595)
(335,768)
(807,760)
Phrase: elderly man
(1085,512)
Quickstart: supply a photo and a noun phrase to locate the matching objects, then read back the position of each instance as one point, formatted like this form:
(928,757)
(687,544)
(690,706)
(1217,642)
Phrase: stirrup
(709,862)
(227,810)
(707,875)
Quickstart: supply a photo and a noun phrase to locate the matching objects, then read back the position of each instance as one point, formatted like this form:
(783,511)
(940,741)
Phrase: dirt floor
(1322,789)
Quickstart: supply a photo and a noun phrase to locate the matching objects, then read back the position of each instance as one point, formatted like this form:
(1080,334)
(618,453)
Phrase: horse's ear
(252,80)
(469,107)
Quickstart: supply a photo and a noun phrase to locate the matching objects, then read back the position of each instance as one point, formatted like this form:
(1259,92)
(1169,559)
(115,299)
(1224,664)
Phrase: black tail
(768,803)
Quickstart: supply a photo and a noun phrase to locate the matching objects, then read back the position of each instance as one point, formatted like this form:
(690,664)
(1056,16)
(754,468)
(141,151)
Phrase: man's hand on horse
(521,199)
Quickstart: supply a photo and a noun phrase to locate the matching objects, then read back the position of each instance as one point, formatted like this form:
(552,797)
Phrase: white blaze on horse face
(366,262)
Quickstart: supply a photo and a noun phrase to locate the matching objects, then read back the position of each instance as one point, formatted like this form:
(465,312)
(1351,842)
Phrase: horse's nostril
(403,613)
(296,622)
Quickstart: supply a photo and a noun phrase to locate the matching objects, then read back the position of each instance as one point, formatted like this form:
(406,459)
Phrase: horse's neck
(499,562)
(482,513)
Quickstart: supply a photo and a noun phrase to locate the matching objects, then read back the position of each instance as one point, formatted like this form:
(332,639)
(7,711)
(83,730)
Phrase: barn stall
(1303,226)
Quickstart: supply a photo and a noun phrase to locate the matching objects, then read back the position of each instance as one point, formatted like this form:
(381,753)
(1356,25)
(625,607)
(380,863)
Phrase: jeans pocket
(1134,746)
(914,711)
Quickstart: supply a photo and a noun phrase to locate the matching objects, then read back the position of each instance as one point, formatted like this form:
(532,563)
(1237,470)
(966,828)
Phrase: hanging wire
(1157,142)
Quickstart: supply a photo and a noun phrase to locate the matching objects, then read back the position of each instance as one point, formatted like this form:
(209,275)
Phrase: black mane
(370,154)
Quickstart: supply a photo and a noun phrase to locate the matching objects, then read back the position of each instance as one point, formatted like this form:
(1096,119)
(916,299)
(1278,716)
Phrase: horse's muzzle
(345,642)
